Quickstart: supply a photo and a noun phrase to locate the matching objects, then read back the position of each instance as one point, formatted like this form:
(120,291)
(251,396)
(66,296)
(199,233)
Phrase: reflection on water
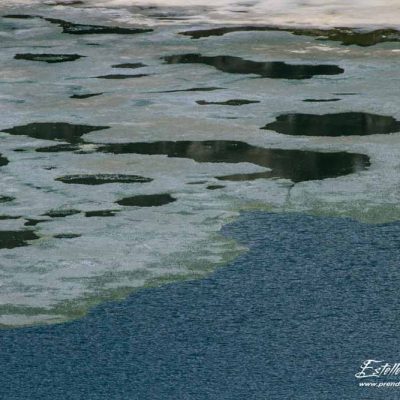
(54,131)
(296,165)
(274,69)
(339,124)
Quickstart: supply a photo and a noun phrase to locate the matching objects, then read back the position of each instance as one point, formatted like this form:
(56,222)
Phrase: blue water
(291,319)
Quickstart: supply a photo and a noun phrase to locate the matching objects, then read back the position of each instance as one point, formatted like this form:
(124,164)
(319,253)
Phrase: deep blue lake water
(293,318)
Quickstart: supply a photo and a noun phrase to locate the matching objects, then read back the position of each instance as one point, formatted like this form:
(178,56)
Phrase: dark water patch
(233,102)
(84,96)
(215,187)
(320,100)
(83,29)
(147,200)
(3,160)
(101,179)
(12,239)
(347,36)
(101,213)
(129,65)
(272,69)
(66,132)
(120,76)
(245,177)
(60,148)
(296,165)
(61,213)
(6,199)
(19,16)
(196,183)
(48,58)
(339,124)
(34,222)
(67,236)
(204,89)
(65,3)
(5,217)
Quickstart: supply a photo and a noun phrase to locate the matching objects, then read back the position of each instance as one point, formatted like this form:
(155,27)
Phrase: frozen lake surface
(132,132)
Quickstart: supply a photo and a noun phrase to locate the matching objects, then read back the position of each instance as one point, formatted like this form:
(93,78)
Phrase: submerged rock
(100,179)
(339,124)
(272,69)
(296,165)
(12,239)
(49,58)
(233,102)
(347,36)
(147,200)
(54,131)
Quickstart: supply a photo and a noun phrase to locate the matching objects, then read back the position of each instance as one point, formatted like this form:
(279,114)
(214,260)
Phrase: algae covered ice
(132,131)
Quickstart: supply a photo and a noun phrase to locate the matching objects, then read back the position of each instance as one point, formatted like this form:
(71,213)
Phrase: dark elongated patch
(70,133)
(6,199)
(34,222)
(48,58)
(339,124)
(296,165)
(100,213)
(233,102)
(101,179)
(12,239)
(5,217)
(84,96)
(273,69)
(215,187)
(3,160)
(120,76)
(147,200)
(320,100)
(67,236)
(347,36)
(61,213)
(83,29)
(198,89)
(129,65)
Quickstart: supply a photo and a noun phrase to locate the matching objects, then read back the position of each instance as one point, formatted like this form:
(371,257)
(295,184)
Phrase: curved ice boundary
(121,248)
